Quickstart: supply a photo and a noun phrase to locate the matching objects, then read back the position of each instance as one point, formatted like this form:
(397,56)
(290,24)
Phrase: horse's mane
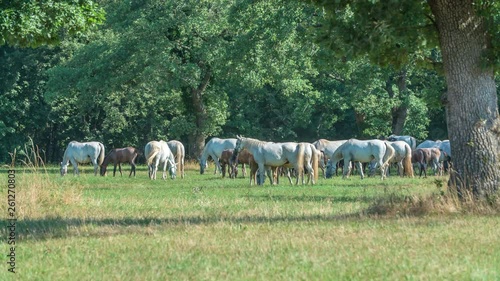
(255,142)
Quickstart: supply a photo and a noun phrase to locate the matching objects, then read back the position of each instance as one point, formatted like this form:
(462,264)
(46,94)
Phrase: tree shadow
(57,227)
(312,198)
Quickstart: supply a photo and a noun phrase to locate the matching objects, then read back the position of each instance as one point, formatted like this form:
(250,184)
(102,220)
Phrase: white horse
(327,148)
(402,157)
(273,154)
(411,141)
(361,152)
(158,152)
(214,148)
(86,152)
(311,161)
(179,152)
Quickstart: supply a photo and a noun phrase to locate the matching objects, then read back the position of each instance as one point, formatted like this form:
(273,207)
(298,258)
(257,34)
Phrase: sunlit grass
(205,227)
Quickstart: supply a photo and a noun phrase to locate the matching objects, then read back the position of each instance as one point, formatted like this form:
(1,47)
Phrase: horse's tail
(408,167)
(178,155)
(300,160)
(389,153)
(150,152)
(315,160)
(413,143)
(101,154)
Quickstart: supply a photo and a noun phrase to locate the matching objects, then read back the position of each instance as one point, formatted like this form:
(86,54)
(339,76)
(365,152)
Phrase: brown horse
(224,161)
(421,156)
(118,156)
(244,157)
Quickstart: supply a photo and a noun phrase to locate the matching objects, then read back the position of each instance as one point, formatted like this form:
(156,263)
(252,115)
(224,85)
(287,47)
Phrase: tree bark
(471,101)
(400,112)
(197,138)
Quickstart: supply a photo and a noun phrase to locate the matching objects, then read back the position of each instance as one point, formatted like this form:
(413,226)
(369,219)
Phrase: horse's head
(172,169)
(330,169)
(64,169)
(103,170)
(234,168)
(203,165)
(239,141)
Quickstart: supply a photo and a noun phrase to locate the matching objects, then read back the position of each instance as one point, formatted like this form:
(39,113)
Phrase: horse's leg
(120,169)
(347,168)
(310,174)
(217,164)
(262,174)
(289,175)
(75,167)
(132,169)
(114,169)
(271,175)
(96,166)
(383,169)
(164,176)
(321,164)
(359,166)
(401,169)
(243,170)
(422,169)
(223,169)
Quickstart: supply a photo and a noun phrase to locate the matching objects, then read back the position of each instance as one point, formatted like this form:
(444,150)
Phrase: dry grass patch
(442,203)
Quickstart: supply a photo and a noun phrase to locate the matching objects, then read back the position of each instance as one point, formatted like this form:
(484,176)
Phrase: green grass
(207,228)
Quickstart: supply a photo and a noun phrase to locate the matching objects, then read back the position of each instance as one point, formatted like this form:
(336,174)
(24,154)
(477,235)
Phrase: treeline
(189,70)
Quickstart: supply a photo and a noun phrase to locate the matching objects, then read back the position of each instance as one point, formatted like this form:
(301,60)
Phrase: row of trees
(277,70)
(189,70)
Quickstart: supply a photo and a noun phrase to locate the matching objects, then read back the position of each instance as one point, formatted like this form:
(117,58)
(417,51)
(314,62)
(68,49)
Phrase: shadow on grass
(51,228)
(312,198)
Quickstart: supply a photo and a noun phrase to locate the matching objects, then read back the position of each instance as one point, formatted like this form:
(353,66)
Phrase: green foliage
(133,79)
(23,111)
(35,23)
(389,31)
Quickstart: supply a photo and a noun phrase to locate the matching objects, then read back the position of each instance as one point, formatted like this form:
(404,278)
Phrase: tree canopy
(35,23)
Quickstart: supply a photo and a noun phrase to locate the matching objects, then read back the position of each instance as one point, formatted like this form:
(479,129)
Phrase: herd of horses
(167,154)
(272,159)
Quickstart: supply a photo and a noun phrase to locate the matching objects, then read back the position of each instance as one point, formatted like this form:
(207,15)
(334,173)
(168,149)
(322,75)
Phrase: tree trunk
(471,102)
(400,112)
(197,138)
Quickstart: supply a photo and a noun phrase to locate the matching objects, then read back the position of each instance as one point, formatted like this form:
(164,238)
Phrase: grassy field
(207,228)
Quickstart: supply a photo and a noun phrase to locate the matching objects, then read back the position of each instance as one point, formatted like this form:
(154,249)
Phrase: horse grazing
(411,141)
(421,156)
(179,152)
(443,146)
(328,148)
(214,148)
(402,157)
(82,153)
(426,156)
(361,152)
(225,162)
(244,158)
(118,156)
(158,152)
(273,154)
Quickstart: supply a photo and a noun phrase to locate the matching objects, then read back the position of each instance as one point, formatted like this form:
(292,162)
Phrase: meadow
(204,227)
